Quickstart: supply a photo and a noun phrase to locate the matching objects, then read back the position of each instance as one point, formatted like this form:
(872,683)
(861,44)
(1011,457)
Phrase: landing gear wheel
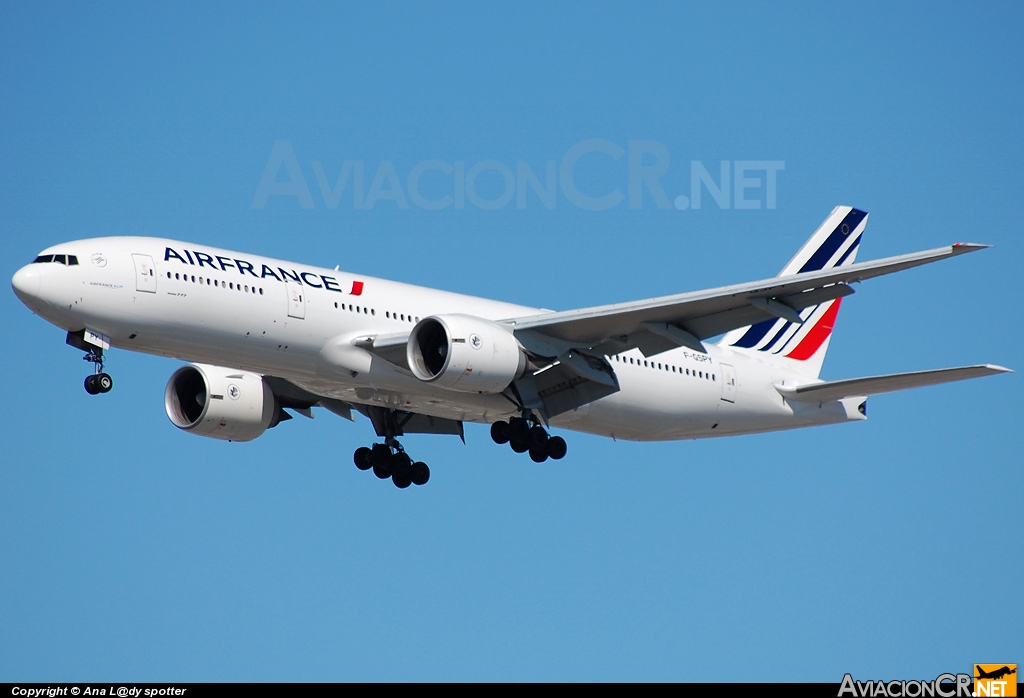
(538,455)
(383,471)
(518,429)
(556,448)
(420,473)
(362,458)
(104,382)
(499,432)
(401,480)
(90,385)
(538,439)
(380,454)
(519,446)
(401,465)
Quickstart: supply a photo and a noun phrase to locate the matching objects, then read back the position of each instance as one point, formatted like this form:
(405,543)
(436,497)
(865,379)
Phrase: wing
(875,385)
(300,400)
(660,324)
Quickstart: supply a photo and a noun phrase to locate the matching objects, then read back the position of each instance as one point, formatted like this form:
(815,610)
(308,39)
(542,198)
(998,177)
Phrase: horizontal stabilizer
(874,385)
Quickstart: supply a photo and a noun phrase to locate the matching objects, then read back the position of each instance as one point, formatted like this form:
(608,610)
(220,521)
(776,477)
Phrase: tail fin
(802,346)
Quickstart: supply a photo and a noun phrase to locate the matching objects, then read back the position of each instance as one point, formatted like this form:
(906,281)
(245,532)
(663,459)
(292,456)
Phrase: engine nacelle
(465,353)
(221,403)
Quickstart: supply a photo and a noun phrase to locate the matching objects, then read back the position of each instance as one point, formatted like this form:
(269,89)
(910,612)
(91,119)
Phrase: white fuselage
(272,317)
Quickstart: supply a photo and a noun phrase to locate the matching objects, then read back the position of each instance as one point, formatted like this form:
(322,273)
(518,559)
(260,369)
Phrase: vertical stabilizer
(802,346)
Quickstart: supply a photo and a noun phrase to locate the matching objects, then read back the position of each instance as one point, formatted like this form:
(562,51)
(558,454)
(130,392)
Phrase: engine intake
(220,403)
(465,353)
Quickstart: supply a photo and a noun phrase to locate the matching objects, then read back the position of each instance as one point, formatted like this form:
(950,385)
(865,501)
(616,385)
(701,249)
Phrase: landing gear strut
(524,437)
(98,382)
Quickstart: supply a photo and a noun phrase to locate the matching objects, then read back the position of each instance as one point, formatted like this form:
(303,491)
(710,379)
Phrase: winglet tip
(963,247)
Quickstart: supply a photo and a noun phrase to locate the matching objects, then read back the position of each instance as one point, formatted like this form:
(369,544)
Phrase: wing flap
(875,385)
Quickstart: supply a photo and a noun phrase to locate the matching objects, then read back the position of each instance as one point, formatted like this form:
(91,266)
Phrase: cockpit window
(68,260)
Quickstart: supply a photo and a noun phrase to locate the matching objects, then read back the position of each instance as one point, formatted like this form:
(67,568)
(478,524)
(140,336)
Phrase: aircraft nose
(26,283)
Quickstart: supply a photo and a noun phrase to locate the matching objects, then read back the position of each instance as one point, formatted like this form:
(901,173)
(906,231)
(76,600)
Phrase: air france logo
(219,263)
(475,341)
(99,260)
(995,680)
(233,391)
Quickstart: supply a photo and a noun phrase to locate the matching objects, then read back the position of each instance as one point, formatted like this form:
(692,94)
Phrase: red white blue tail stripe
(834,244)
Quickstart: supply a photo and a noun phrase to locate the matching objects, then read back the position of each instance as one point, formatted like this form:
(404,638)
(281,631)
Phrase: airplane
(264,336)
(995,674)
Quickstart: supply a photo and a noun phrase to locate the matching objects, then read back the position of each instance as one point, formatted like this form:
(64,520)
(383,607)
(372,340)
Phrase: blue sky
(132,551)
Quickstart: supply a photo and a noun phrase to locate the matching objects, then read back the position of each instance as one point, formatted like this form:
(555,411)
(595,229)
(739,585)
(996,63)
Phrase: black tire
(518,429)
(90,385)
(538,455)
(380,454)
(362,458)
(556,448)
(104,382)
(519,446)
(401,465)
(401,481)
(499,432)
(380,457)
(420,473)
(538,439)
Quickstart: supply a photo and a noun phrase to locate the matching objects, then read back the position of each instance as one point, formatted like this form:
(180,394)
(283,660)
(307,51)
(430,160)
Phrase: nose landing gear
(98,382)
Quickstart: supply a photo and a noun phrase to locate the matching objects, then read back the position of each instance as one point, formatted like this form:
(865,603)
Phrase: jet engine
(465,353)
(220,403)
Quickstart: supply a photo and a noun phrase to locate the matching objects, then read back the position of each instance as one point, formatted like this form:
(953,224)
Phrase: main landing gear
(98,382)
(524,437)
(389,460)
